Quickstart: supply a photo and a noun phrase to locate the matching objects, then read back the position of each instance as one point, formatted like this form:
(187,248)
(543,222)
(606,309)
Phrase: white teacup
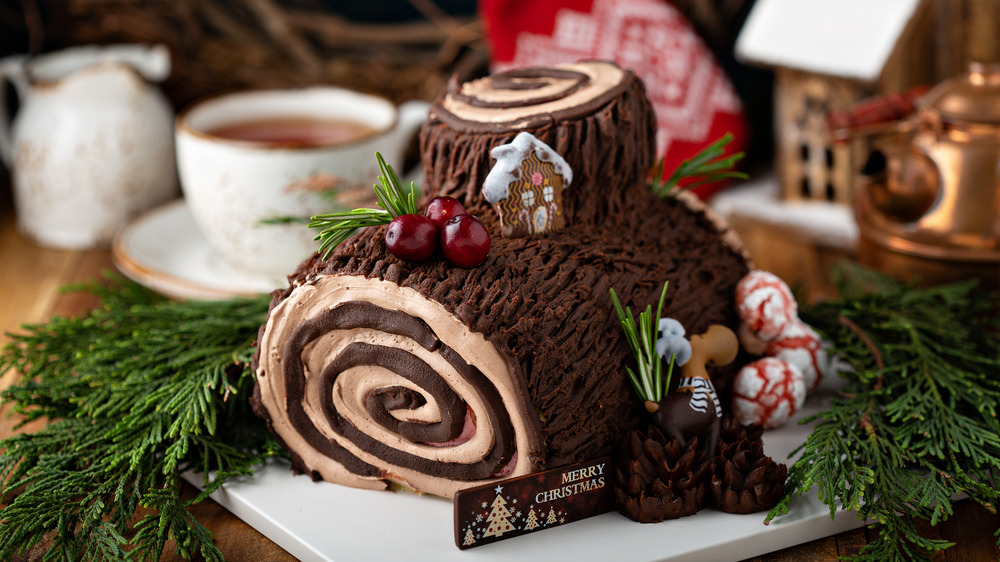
(247,157)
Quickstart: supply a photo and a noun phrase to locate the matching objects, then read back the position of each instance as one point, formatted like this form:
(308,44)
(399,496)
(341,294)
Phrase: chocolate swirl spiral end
(368,383)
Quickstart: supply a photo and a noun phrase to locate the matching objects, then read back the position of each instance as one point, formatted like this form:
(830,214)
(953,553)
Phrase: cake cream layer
(337,346)
(521,98)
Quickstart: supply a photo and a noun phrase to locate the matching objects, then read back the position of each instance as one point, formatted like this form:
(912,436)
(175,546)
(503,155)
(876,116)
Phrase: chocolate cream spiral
(368,382)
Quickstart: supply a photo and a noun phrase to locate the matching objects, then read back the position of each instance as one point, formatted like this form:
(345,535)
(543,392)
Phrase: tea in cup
(250,157)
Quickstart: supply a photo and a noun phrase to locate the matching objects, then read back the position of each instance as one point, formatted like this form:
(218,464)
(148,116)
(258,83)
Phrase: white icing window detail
(549,193)
(528,198)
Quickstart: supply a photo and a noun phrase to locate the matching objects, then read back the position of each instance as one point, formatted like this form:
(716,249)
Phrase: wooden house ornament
(828,55)
(526,185)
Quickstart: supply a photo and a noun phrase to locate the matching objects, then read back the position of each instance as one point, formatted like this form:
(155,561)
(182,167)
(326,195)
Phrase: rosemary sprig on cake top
(707,166)
(917,423)
(137,391)
(410,235)
(392,198)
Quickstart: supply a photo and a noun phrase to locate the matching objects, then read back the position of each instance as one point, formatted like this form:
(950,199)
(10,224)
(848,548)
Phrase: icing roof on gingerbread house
(509,157)
(845,38)
(525,186)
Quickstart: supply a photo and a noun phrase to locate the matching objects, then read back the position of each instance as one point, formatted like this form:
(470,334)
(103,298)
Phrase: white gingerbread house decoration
(828,55)
(526,185)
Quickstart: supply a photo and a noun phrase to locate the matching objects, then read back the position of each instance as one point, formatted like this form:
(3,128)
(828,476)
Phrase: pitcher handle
(412,115)
(12,69)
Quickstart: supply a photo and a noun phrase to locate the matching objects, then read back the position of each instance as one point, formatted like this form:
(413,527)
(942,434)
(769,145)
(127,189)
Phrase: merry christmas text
(575,481)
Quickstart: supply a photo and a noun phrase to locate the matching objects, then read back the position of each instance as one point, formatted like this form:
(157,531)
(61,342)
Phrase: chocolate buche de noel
(377,372)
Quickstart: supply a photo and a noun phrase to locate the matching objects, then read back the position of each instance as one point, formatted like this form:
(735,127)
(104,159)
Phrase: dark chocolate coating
(609,145)
(543,302)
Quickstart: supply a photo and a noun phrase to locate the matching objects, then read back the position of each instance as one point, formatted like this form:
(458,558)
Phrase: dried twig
(273,21)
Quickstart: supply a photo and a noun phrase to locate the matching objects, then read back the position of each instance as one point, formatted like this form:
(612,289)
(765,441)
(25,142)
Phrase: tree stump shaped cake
(374,371)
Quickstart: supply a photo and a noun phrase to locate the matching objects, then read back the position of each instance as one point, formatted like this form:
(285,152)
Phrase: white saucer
(166,251)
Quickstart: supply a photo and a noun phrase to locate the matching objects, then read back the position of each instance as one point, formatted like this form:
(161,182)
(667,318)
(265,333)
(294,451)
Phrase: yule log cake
(375,371)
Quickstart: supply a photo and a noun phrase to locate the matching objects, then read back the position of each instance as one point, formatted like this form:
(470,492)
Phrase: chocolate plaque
(514,507)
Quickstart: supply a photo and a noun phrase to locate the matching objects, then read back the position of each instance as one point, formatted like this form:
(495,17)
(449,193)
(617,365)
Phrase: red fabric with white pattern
(695,102)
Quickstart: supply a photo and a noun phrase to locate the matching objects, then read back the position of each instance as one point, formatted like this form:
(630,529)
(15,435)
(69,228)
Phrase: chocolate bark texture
(513,366)
(543,304)
(609,141)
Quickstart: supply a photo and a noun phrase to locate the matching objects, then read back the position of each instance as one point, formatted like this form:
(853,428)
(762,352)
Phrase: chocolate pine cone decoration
(733,431)
(657,479)
(745,480)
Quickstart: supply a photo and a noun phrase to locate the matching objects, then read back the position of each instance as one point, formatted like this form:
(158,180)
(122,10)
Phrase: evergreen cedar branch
(917,423)
(138,391)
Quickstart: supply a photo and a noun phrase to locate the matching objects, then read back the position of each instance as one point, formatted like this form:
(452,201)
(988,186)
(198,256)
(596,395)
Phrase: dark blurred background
(400,49)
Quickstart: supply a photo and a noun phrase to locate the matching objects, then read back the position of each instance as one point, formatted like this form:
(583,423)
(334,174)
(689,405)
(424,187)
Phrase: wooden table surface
(30,279)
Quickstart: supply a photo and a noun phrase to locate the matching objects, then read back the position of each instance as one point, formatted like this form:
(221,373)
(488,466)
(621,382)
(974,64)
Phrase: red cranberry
(465,241)
(411,237)
(441,209)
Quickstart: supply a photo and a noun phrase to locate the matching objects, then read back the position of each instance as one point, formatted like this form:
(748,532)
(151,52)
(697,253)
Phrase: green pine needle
(917,423)
(649,383)
(139,391)
(707,166)
(394,200)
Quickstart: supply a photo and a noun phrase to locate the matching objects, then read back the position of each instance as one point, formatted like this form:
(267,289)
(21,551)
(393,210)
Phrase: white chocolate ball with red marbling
(765,304)
(801,346)
(768,391)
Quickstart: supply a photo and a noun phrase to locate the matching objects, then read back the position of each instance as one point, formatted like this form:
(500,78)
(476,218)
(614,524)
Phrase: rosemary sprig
(139,391)
(707,166)
(649,382)
(394,200)
(917,423)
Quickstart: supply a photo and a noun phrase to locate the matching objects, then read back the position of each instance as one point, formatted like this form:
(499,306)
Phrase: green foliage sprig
(137,391)
(917,423)
(707,166)
(648,379)
(392,198)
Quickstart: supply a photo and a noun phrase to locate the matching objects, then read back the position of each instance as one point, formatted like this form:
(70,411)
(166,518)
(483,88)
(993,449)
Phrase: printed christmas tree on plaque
(532,522)
(498,517)
(469,537)
(552,517)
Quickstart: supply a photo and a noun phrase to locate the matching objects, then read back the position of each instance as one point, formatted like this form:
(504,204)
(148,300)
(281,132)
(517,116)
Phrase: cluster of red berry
(462,237)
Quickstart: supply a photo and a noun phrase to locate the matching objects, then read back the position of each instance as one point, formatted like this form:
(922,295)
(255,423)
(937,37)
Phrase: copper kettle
(927,200)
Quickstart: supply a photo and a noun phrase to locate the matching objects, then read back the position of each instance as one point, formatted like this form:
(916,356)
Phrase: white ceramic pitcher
(91,144)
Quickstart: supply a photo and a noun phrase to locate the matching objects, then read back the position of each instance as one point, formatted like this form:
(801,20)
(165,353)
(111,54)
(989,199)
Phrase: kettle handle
(11,69)
(876,115)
